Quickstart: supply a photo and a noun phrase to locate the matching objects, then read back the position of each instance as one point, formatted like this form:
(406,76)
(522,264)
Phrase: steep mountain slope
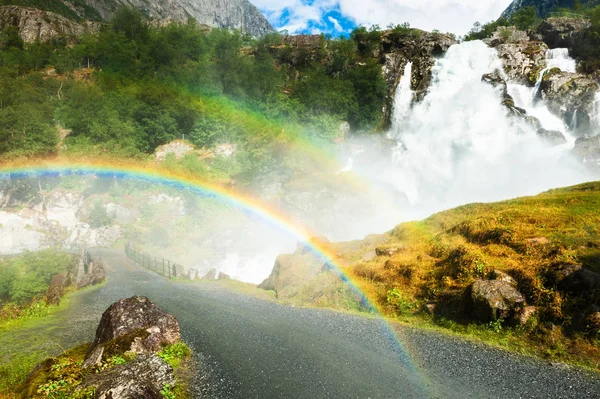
(544,7)
(231,14)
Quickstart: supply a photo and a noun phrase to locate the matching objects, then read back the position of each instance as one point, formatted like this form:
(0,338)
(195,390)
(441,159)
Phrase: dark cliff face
(544,7)
(230,14)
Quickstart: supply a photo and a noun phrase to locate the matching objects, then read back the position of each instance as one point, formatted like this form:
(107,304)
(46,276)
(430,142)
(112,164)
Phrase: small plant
(167,392)
(496,325)
(174,354)
(402,304)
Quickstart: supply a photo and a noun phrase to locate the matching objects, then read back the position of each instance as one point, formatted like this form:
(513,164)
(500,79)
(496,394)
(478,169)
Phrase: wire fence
(161,266)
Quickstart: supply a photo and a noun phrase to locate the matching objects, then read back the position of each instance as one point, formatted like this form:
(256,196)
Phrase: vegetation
(135,87)
(25,279)
(531,239)
(60,377)
(523,19)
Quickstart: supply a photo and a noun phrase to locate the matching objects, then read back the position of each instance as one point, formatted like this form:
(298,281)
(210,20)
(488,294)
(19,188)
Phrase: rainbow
(121,169)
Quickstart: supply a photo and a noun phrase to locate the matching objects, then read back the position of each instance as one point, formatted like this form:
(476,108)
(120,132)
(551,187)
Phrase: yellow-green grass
(438,258)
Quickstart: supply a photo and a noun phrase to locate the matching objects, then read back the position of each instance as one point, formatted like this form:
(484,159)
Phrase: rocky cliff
(36,25)
(543,7)
(229,14)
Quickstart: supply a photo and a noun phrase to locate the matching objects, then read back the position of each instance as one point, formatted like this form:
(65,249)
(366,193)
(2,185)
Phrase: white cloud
(336,24)
(445,15)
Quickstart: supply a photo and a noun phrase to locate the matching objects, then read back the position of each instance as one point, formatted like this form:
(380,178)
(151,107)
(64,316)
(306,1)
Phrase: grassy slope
(526,237)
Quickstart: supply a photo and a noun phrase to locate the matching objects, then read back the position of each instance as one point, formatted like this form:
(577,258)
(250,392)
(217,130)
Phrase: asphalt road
(251,348)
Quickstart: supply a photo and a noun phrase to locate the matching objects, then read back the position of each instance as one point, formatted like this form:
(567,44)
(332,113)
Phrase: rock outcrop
(418,47)
(143,377)
(291,271)
(133,325)
(563,32)
(35,25)
(523,61)
(587,150)
(570,96)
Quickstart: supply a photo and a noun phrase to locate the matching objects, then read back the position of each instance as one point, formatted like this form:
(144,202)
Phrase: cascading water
(459,145)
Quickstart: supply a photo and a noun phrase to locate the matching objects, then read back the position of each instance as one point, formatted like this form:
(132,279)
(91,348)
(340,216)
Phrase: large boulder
(563,32)
(292,271)
(135,325)
(571,96)
(505,35)
(551,137)
(576,279)
(587,150)
(143,377)
(495,299)
(523,61)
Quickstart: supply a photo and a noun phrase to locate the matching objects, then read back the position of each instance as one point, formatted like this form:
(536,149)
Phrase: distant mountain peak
(543,7)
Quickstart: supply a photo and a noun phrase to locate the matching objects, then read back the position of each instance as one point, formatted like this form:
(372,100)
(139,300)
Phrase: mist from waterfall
(460,145)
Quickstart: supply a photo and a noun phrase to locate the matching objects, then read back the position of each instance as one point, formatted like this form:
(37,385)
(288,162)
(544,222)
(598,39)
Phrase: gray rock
(587,150)
(211,275)
(495,299)
(551,137)
(522,316)
(563,32)
(387,251)
(523,61)
(506,34)
(224,276)
(571,96)
(137,315)
(501,276)
(143,377)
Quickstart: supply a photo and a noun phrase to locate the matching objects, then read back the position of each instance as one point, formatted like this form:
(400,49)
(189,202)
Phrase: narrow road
(252,348)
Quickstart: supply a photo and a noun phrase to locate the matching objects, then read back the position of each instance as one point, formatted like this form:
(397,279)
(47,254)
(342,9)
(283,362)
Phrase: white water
(460,146)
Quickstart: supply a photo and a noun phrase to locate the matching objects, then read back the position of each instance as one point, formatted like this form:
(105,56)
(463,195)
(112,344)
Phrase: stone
(495,299)
(387,251)
(551,137)
(577,279)
(522,316)
(523,62)
(570,96)
(538,241)
(140,324)
(177,148)
(501,276)
(211,275)
(87,272)
(224,276)
(291,271)
(587,150)
(563,32)
(94,358)
(506,34)
(143,377)
(429,308)
(56,288)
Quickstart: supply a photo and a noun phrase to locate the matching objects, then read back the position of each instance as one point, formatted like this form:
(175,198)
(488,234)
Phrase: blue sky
(339,17)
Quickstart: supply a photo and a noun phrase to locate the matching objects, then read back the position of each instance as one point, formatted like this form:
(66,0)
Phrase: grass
(19,336)
(435,260)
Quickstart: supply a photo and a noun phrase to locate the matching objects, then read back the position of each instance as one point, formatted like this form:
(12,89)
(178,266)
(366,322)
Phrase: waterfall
(404,97)
(459,144)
